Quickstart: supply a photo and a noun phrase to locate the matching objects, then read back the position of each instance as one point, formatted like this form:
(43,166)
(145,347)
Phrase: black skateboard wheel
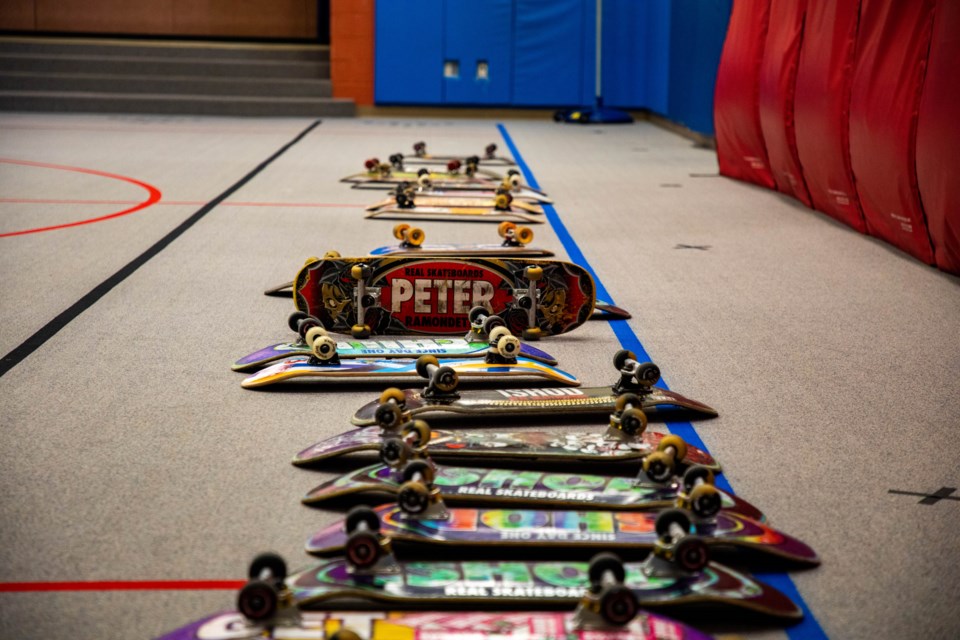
(705,501)
(360,331)
(388,415)
(601,564)
(418,466)
(294,320)
(258,600)
(667,519)
(648,373)
(362,549)
(269,562)
(618,605)
(692,554)
(658,466)
(308,323)
(393,451)
(446,380)
(423,172)
(413,497)
(490,150)
(405,200)
(364,514)
(476,313)
(633,421)
(620,358)
(695,473)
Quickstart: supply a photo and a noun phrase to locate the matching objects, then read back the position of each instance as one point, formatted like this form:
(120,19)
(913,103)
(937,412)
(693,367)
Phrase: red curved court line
(225,203)
(153,198)
(122,585)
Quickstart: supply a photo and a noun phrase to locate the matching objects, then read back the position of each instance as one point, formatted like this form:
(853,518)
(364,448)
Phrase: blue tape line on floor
(809,628)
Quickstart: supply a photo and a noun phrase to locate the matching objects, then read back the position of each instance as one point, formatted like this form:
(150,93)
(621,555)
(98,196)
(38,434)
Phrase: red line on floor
(122,585)
(177,202)
(153,197)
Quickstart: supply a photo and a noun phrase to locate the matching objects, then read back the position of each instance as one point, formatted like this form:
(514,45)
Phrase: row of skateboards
(491,532)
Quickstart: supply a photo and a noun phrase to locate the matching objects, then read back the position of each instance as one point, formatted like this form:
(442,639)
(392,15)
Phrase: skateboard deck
(306,367)
(529,402)
(465,213)
(386,348)
(529,584)
(573,532)
(556,446)
(454,202)
(516,489)
(520,194)
(448,625)
(488,187)
(511,488)
(434,296)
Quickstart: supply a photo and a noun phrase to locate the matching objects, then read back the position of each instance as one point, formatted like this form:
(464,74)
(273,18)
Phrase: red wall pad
(822,108)
(892,46)
(938,138)
(778,77)
(740,149)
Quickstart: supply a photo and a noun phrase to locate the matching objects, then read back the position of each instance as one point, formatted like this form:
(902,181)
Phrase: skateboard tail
(269,354)
(348,442)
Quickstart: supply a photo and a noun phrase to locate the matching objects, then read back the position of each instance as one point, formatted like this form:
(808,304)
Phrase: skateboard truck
(367,297)
(473,163)
(411,444)
(607,603)
(527,299)
(265,599)
(513,235)
(482,324)
(367,551)
(390,414)
(661,465)
(512,180)
(409,237)
(676,553)
(442,381)
(699,496)
(635,377)
(628,421)
(504,347)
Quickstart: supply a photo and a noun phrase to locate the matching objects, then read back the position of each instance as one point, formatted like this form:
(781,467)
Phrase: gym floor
(130,452)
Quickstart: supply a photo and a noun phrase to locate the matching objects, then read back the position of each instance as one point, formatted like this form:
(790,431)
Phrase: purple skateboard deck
(555,446)
(450,625)
(574,531)
(529,402)
(529,584)
(511,488)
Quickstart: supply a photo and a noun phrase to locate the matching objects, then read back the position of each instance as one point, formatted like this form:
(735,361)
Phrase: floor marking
(226,203)
(943,493)
(808,628)
(701,247)
(120,585)
(153,196)
(53,327)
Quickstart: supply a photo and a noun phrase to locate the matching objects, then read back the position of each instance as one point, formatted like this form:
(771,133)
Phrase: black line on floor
(53,327)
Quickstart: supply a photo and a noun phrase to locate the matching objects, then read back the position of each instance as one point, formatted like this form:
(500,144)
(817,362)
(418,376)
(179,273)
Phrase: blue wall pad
(408,53)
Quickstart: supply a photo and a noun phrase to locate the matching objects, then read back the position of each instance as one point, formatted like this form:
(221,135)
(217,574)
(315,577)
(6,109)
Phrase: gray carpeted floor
(130,452)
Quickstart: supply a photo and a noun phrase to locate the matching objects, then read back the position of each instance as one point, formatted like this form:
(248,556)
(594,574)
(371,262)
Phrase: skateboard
(375,370)
(515,241)
(570,533)
(635,378)
(411,201)
(557,447)
(402,295)
(387,173)
(419,625)
(510,488)
(489,156)
(475,347)
(677,572)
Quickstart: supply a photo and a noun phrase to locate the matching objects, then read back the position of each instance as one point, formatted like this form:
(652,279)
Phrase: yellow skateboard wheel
(420,429)
(400,230)
(533,333)
(524,235)
(331,255)
(394,394)
(677,443)
(311,260)
(533,273)
(360,331)
(505,228)
(416,236)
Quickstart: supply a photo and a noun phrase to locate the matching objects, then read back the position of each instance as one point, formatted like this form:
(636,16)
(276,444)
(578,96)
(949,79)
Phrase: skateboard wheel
(364,514)
(524,235)
(501,202)
(413,498)
(694,473)
(387,415)
(416,236)
(476,313)
(419,148)
(345,634)
(508,346)
(420,430)
(633,421)
(533,273)
(475,160)
(628,399)
(258,600)
(324,347)
(691,554)
(620,358)
(396,159)
(600,564)
(269,562)
(533,333)
(675,442)
(446,380)
(514,181)
(331,255)
(497,333)
(705,501)
(423,172)
(512,172)
(371,164)
(404,199)
(308,323)
(490,324)
(453,166)
(362,549)
(648,373)
(505,227)
(359,271)
(424,181)
(394,394)
(394,451)
(360,331)
(490,150)
(294,320)
(667,519)
(658,466)
(418,466)
(618,605)
(400,230)
(423,362)
(312,333)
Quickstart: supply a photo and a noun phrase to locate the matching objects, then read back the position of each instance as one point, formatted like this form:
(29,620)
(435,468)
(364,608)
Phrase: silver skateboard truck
(635,377)
(442,380)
